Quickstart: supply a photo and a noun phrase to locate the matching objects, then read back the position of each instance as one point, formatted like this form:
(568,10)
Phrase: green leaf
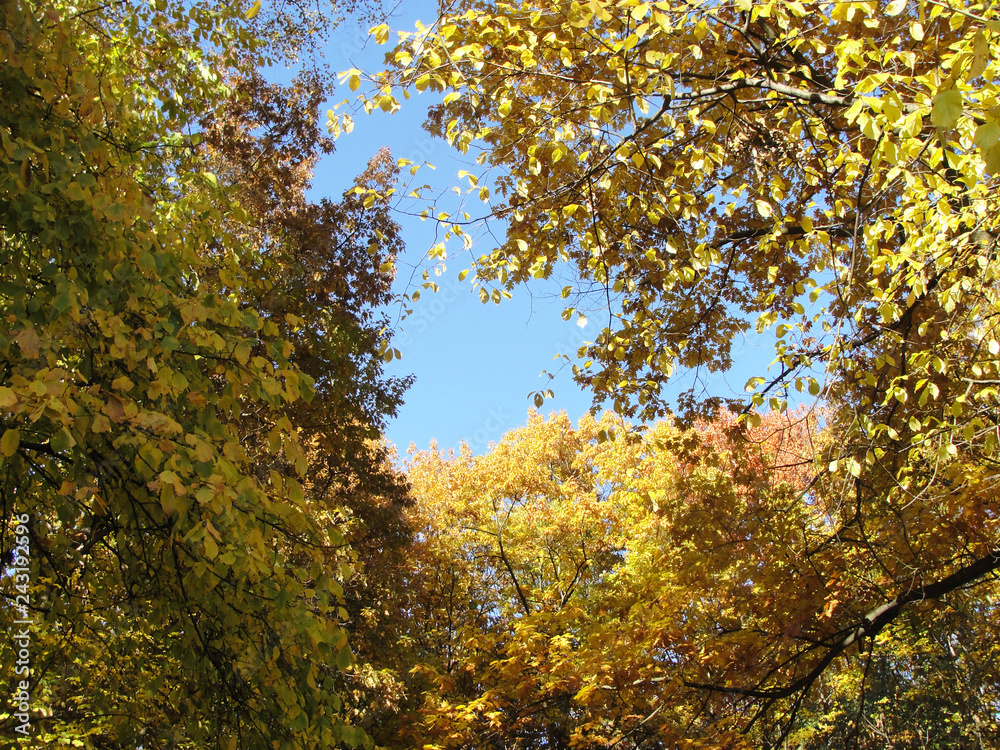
(344,658)
(62,440)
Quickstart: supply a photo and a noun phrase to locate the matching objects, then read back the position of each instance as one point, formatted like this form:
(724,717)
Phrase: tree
(325,269)
(504,580)
(174,517)
(580,586)
(936,687)
(576,585)
(824,171)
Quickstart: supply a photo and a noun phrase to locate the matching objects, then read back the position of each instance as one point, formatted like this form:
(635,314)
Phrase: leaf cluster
(190,383)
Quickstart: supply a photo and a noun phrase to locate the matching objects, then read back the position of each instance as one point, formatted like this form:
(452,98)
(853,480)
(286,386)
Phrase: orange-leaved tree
(592,586)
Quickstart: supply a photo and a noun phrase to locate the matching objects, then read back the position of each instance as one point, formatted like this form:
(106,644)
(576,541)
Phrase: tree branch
(869,627)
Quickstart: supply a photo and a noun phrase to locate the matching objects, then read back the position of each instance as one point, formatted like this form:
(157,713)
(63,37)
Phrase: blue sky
(476,365)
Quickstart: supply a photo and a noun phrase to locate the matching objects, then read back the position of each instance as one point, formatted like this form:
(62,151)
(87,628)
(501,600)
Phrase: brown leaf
(29,342)
(114,409)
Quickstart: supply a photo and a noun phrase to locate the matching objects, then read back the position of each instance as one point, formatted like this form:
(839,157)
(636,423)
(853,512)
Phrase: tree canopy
(823,172)
(191,382)
(715,168)
(212,543)
(580,586)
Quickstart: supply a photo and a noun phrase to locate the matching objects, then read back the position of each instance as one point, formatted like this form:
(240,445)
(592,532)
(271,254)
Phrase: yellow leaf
(253,10)
(352,77)
(578,16)
(947,108)
(7,398)
(211,548)
(381,33)
(9,442)
(639,12)
(980,56)
(987,135)
(895,7)
(114,408)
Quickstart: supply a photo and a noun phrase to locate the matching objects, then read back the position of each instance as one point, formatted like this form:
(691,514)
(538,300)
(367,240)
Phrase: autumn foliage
(170,303)
(823,174)
(597,586)
(226,554)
